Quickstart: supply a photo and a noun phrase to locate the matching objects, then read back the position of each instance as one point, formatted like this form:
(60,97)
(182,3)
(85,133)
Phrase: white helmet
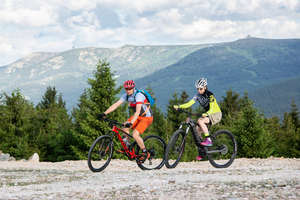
(201,83)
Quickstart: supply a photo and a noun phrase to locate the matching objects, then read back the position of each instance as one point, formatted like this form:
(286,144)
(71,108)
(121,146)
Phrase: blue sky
(59,25)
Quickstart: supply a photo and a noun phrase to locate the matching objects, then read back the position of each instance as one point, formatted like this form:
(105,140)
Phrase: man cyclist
(142,117)
(212,113)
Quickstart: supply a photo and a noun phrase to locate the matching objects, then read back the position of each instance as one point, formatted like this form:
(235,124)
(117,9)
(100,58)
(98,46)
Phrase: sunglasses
(128,88)
(200,89)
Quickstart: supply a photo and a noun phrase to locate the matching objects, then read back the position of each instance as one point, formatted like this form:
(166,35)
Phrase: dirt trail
(273,178)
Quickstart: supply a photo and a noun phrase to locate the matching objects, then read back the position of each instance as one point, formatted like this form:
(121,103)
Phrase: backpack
(147,95)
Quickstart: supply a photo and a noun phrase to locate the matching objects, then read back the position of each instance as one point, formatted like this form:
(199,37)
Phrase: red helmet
(129,84)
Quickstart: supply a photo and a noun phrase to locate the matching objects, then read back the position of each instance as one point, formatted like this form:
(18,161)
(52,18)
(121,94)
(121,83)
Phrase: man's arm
(137,113)
(113,107)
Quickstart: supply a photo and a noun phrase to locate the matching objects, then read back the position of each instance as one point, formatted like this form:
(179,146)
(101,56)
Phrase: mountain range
(68,71)
(267,69)
(253,65)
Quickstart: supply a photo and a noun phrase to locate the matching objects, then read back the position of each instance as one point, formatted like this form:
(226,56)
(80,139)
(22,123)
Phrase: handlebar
(113,122)
(189,113)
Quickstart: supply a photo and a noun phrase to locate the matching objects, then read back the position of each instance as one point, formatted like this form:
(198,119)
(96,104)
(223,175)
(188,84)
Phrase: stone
(4,156)
(34,158)
(11,159)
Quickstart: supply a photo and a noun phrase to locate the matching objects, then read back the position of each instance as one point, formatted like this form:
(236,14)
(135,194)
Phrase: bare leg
(203,127)
(138,139)
(199,130)
(127,131)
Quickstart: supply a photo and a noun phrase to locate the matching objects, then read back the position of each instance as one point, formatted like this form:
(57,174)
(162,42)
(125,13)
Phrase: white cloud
(75,5)
(86,19)
(28,17)
(140,6)
(56,25)
(6,50)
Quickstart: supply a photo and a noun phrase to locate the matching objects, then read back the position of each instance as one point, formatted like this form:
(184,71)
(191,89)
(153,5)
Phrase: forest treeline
(56,135)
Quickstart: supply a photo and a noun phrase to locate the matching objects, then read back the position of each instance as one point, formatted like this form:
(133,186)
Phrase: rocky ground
(273,178)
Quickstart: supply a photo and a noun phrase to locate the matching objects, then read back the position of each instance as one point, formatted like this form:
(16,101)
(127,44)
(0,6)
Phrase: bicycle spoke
(224,149)
(175,149)
(100,153)
(156,148)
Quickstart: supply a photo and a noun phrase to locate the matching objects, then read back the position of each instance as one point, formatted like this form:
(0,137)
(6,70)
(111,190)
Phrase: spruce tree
(273,126)
(288,140)
(54,128)
(101,94)
(230,106)
(174,117)
(295,114)
(249,128)
(16,125)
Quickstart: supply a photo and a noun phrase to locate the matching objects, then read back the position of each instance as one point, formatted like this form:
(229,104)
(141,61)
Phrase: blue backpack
(147,95)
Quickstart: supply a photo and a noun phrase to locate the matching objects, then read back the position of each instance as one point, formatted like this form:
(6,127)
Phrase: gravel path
(273,178)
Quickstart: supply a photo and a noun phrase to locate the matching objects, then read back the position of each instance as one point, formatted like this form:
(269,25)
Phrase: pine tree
(295,114)
(273,127)
(230,106)
(95,100)
(288,139)
(54,127)
(249,128)
(174,117)
(16,125)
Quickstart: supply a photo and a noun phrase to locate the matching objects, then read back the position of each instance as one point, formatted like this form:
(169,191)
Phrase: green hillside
(69,71)
(276,99)
(243,65)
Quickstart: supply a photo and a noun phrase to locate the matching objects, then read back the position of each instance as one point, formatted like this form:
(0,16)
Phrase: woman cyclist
(212,113)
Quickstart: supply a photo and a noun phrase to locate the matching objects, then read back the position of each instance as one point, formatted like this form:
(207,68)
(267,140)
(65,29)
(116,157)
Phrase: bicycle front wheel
(175,149)
(156,147)
(100,153)
(224,149)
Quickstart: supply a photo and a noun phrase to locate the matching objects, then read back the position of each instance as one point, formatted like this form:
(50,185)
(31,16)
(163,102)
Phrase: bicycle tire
(224,141)
(156,146)
(100,153)
(175,149)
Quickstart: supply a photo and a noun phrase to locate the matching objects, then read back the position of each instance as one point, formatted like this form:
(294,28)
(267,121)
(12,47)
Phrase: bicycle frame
(191,125)
(130,154)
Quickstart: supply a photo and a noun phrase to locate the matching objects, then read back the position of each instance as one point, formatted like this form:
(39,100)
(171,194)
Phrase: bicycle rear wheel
(100,153)
(156,147)
(175,149)
(224,149)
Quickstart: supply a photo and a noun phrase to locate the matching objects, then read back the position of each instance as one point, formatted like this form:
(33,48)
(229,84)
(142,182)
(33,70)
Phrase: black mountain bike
(101,151)
(220,155)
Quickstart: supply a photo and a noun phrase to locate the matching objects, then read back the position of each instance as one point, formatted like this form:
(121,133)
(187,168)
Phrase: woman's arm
(185,105)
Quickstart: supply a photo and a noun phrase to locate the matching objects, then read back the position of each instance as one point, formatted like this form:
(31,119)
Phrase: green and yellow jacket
(206,100)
